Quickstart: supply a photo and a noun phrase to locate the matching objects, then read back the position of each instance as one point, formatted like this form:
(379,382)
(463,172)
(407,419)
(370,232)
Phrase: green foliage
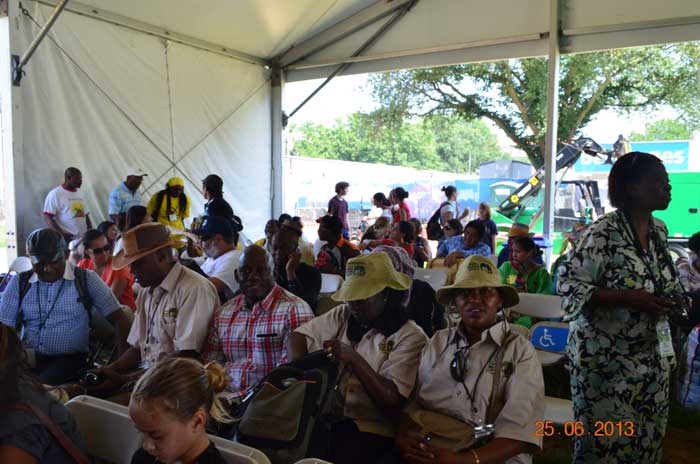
(664,129)
(513,93)
(444,144)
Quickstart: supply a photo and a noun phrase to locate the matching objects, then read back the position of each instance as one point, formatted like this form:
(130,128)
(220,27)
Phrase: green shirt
(538,281)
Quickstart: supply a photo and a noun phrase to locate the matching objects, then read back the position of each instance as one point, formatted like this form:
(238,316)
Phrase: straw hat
(141,241)
(367,275)
(476,272)
(518,229)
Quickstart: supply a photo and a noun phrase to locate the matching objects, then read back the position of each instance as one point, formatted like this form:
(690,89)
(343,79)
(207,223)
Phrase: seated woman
(378,231)
(459,366)
(170,406)
(452,228)
(110,230)
(689,268)
(402,235)
(523,271)
(378,348)
(98,258)
(422,254)
(271,228)
(469,243)
(24,436)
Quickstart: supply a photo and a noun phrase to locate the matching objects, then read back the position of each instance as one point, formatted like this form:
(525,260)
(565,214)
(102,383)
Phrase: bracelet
(476,456)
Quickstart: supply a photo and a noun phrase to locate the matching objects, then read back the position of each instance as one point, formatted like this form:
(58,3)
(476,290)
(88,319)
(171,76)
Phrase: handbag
(446,432)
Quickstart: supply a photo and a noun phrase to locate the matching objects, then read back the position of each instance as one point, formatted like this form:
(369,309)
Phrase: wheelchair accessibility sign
(549,336)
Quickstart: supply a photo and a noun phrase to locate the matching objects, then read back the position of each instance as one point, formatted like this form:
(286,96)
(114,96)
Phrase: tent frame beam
(146,28)
(551,138)
(18,63)
(340,30)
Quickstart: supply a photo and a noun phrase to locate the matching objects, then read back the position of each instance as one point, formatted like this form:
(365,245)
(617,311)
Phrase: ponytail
(183,386)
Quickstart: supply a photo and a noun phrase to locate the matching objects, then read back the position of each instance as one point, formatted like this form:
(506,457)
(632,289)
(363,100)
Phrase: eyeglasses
(459,365)
(104,249)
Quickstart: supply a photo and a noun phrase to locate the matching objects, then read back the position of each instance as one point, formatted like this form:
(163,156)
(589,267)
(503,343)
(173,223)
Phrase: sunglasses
(104,249)
(459,365)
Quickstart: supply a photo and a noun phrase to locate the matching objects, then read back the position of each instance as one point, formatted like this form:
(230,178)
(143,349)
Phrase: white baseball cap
(136,171)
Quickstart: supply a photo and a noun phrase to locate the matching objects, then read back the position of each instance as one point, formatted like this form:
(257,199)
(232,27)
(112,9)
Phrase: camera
(92,378)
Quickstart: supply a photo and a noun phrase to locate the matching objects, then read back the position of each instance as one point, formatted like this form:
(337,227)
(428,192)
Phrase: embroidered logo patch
(171,313)
(387,347)
(358,271)
(480,267)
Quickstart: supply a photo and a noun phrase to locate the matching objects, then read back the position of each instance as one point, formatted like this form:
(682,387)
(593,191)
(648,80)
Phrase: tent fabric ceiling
(168,108)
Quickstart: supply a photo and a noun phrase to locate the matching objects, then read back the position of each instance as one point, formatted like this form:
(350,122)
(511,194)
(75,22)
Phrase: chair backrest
(330,283)
(110,435)
(436,277)
(539,306)
(549,340)
(106,427)
(20,264)
(494,259)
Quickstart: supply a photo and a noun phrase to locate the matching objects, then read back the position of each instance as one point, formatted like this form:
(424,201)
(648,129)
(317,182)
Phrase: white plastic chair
(539,306)
(110,435)
(436,277)
(106,427)
(20,264)
(330,283)
(557,410)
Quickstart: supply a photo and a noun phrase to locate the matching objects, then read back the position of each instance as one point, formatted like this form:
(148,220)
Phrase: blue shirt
(65,321)
(121,199)
(456,243)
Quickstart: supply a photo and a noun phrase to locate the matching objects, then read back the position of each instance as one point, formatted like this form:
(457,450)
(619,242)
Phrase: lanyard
(151,314)
(478,377)
(43,320)
(644,256)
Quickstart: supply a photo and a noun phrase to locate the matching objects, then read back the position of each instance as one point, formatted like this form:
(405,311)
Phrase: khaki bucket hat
(367,275)
(142,240)
(476,272)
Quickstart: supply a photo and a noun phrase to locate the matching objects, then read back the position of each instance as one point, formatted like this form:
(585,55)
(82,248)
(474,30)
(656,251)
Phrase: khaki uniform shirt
(174,316)
(394,357)
(521,385)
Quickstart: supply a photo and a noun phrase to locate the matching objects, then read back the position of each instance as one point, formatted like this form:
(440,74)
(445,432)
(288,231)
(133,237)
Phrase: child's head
(171,403)
(524,249)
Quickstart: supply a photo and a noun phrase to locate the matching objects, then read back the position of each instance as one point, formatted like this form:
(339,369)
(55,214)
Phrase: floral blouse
(606,257)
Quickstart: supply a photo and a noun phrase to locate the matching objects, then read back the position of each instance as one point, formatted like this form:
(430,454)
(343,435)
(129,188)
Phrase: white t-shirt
(450,207)
(223,268)
(69,210)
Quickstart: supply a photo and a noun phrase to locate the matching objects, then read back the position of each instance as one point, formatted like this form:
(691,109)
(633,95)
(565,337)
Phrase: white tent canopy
(190,88)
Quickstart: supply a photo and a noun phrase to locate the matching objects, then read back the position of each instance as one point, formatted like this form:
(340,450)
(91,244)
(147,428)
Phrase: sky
(346,95)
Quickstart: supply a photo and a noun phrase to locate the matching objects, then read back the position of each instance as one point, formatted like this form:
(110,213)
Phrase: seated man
(53,304)
(173,311)
(249,334)
(290,273)
(467,244)
(219,241)
(337,251)
(295,226)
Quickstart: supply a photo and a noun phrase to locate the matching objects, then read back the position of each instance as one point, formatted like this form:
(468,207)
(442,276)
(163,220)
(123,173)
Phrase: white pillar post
(551,142)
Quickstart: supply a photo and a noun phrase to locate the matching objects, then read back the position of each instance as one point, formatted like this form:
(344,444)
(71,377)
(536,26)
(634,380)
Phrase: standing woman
(490,226)
(401,210)
(380,201)
(617,287)
(449,209)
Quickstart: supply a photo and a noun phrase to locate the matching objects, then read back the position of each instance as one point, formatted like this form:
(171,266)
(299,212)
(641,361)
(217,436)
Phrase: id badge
(663,334)
(172,217)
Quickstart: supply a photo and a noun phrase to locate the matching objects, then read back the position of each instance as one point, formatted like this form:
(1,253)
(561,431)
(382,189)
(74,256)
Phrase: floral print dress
(617,372)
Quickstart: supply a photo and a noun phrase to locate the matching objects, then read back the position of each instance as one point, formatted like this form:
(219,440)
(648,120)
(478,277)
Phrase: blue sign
(549,338)
(673,154)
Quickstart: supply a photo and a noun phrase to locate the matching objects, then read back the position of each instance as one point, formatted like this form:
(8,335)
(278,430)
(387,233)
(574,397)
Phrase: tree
(446,144)
(513,93)
(665,129)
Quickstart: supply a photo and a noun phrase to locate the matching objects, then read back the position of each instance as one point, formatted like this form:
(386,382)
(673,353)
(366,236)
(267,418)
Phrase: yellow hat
(477,272)
(367,275)
(176,182)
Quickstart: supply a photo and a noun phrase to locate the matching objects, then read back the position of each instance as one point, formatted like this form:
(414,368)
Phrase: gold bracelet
(476,456)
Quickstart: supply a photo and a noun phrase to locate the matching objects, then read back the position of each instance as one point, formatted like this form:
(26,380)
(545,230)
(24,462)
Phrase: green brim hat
(367,275)
(478,272)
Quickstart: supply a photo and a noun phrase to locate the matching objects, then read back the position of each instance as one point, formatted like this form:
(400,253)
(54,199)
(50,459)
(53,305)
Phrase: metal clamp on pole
(18,63)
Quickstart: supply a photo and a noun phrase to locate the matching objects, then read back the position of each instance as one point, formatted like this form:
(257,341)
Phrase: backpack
(80,285)
(434,228)
(287,414)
